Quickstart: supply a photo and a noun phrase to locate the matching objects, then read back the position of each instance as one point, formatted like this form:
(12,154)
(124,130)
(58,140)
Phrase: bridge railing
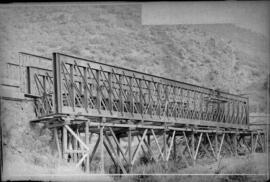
(90,88)
(37,79)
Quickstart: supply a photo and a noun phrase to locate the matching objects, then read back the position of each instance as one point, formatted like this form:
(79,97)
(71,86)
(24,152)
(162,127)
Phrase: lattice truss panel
(98,89)
(92,88)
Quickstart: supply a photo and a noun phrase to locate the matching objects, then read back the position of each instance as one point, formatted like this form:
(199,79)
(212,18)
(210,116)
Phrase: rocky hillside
(217,56)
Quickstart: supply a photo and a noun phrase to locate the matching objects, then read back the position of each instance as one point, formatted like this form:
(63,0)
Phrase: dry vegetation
(216,56)
(231,169)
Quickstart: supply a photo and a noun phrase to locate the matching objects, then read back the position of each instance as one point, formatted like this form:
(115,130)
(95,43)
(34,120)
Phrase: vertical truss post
(72,93)
(57,83)
(110,92)
(44,95)
(121,99)
(85,86)
(141,97)
(101,144)
(98,91)
(159,100)
(87,143)
(28,78)
(150,95)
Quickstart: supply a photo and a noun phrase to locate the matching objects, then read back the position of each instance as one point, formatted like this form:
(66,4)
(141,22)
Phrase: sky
(253,15)
(246,14)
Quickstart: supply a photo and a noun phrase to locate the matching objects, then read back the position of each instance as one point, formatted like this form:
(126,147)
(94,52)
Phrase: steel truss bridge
(133,113)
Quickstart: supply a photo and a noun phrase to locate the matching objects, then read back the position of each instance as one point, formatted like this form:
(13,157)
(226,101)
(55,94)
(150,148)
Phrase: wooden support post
(118,153)
(220,146)
(101,145)
(69,147)
(256,142)
(72,149)
(231,143)
(87,143)
(187,145)
(94,150)
(110,149)
(156,140)
(227,144)
(77,136)
(149,139)
(57,143)
(198,145)
(75,147)
(262,142)
(235,144)
(118,144)
(171,145)
(216,144)
(214,153)
(164,144)
(150,151)
(252,142)
(106,145)
(193,147)
(138,147)
(174,148)
(64,143)
(129,151)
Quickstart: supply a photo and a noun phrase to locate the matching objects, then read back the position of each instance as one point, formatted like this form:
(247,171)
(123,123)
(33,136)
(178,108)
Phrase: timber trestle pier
(95,109)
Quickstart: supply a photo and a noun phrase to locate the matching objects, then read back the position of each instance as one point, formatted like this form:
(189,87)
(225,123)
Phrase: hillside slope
(217,56)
